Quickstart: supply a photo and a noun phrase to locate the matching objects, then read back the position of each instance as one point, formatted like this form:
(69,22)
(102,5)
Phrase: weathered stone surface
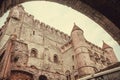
(40,51)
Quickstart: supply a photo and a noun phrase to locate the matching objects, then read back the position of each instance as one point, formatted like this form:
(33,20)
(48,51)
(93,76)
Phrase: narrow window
(73,67)
(16,59)
(33,32)
(56,59)
(73,57)
(68,76)
(33,53)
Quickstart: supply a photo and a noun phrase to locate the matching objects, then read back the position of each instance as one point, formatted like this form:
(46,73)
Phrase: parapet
(19,13)
(66,46)
(93,45)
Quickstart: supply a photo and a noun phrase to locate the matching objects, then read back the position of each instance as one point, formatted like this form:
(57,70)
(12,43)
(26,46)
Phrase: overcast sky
(62,17)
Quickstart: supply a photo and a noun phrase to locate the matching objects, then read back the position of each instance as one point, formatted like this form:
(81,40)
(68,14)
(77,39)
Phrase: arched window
(56,59)
(68,76)
(33,52)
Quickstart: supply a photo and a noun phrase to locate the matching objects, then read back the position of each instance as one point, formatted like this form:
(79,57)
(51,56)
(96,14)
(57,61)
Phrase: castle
(32,50)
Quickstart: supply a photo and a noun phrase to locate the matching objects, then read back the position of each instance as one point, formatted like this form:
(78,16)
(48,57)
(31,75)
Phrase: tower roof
(105,45)
(75,27)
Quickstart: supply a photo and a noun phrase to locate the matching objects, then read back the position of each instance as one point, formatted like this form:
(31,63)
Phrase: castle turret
(83,63)
(110,53)
(77,36)
(17,12)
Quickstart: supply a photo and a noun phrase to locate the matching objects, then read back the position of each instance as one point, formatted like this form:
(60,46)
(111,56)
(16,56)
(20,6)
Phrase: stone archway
(42,77)
(21,75)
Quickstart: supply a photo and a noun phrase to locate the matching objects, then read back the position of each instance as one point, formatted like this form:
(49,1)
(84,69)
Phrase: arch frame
(22,73)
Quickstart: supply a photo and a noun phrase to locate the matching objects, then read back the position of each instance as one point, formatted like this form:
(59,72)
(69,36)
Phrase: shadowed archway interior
(42,77)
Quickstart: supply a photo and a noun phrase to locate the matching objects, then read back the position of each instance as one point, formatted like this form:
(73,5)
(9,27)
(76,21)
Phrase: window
(16,59)
(33,52)
(56,59)
(68,76)
(73,57)
(73,67)
(33,32)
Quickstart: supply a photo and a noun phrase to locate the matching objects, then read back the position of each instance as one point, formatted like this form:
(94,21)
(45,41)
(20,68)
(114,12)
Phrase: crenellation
(56,30)
(62,35)
(67,37)
(29,19)
(47,26)
(20,6)
(66,46)
(42,25)
(58,33)
(93,45)
(53,30)
(37,23)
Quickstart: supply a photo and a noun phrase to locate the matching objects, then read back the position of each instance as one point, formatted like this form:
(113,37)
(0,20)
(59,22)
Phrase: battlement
(66,46)
(29,19)
(94,46)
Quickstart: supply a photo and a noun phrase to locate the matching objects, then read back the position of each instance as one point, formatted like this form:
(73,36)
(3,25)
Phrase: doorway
(43,77)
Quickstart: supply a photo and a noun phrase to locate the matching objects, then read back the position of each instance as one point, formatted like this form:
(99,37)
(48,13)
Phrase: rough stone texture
(39,50)
(105,13)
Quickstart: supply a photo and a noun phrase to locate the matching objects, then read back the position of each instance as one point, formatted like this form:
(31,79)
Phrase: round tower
(83,62)
(110,53)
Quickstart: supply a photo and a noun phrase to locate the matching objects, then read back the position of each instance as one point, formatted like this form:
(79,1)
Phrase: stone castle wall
(43,50)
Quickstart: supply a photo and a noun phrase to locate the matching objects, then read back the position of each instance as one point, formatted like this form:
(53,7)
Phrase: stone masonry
(32,50)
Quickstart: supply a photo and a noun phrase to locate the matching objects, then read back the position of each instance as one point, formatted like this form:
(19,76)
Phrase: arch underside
(78,5)
(20,75)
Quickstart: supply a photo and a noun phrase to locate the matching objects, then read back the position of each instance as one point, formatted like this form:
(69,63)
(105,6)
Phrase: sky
(63,18)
